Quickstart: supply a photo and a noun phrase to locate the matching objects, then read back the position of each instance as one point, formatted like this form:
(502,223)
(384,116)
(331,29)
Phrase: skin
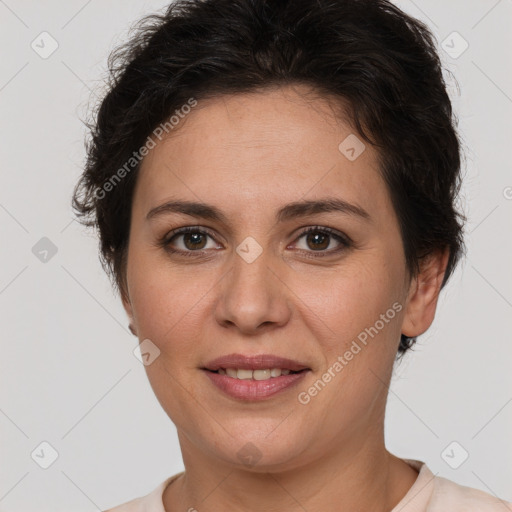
(249,155)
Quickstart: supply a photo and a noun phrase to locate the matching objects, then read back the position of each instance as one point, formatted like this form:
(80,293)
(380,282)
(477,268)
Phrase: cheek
(371,315)
(348,302)
(166,306)
(360,316)
(167,310)
(163,297)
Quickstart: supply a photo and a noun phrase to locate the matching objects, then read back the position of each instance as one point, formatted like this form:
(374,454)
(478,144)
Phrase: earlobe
(129,311)
(423,294)
(127,307)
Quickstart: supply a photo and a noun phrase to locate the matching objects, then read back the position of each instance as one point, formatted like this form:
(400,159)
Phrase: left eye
(319,239)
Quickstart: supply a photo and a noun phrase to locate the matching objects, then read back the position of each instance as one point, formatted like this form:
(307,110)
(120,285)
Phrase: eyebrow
(290,211)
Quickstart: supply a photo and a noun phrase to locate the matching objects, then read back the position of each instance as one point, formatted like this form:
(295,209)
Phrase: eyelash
(344,240)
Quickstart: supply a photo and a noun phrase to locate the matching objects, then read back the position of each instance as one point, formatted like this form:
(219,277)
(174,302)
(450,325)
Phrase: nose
(253,297)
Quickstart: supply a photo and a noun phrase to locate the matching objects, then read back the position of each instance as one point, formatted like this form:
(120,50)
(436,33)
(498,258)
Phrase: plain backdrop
(69,377)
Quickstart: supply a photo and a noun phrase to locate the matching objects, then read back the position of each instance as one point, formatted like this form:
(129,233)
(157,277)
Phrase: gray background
(68,373)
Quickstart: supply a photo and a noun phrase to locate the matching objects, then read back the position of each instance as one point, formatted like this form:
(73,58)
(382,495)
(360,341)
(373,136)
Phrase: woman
(274,187)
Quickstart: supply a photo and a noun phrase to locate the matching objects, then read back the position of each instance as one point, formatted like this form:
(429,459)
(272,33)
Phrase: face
(253,281)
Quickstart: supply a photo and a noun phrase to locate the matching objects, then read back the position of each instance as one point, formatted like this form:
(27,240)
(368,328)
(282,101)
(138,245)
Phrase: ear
(129,311)
(424,293)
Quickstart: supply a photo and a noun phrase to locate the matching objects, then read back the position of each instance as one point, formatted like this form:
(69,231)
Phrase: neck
(358,476)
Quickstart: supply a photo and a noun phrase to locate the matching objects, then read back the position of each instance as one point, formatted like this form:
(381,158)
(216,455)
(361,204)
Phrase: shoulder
(448,495)
(432,493)
(136,505)
(152,502)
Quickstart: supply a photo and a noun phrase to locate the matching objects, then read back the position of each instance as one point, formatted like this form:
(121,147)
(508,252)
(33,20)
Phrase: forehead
(259,148)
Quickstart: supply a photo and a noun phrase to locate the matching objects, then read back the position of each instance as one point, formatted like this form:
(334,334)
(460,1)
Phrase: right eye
(192,240)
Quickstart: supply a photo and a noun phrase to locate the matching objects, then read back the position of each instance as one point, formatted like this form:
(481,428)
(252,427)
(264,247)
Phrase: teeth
(261,374)
(243,374)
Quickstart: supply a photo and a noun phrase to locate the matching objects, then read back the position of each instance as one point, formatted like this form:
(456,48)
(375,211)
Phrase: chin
(260,452)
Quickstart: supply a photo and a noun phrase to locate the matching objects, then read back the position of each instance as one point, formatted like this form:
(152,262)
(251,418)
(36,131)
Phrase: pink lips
(256,362)
(254,389)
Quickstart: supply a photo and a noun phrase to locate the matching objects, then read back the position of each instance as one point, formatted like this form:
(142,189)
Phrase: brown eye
(187,241)
(194,240)
(319,239)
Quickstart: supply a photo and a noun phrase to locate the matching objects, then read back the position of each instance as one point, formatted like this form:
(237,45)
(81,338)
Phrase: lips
(255,378)
(254,362)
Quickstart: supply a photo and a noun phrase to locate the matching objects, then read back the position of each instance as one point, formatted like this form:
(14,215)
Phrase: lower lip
(254,389)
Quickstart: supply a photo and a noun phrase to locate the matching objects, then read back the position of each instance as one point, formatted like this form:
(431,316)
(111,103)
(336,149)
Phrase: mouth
(260,374)
(239,366)
(254,377)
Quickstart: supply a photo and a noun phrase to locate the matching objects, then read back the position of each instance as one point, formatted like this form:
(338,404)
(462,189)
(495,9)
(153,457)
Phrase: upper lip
(254,362)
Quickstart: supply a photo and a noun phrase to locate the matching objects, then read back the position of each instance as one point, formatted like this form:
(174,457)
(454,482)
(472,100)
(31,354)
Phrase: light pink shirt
(429,493)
